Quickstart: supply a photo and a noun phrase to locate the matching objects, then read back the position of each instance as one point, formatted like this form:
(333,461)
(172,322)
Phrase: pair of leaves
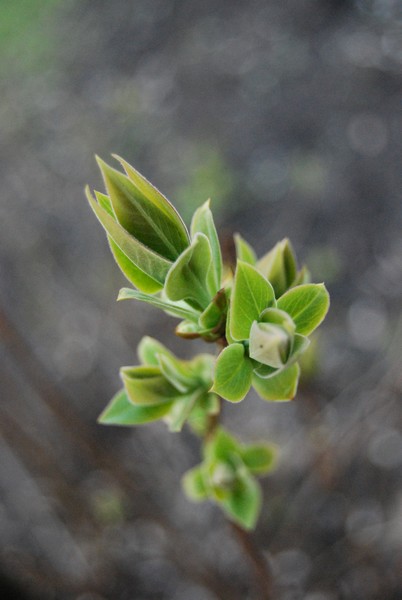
(278,265)
(145,232)
(252,298)
(163,387)
(235,374)
(227,476)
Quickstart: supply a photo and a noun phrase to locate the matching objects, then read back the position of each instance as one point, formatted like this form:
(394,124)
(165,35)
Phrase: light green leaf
(180,411)
(244,503)
(233,373)
(141,217)
(105,203)
(154,195)
(170,307)
(203,222)
(120,411)
(149,350)
(194,484)
(281,386)
(220,447)
(251,294)
(189,277)
(307,305)
(147,385)
(213,318)
(208,404)
(134,275)
(259,458)
(188,330)
(244,251)
(153,265)
(300,344)
(178,372)
(279,266)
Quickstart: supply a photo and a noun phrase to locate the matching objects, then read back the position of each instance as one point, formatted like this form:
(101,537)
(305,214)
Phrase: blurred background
(288,115)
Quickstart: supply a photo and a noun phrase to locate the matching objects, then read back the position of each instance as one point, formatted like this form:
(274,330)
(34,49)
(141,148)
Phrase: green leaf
(300,344)
(180,411)
(134,275)
(233,373)
(307,305)
(188,278)
(154,195)
(194,484)
(281,386)
(259,458)
(244,503)
(244,251)
(251,294)
(213,318)
(178,372)
(188,330)
(146,385)
(203,222)
(279,266)
(105,203)
(149,350)
(141,217)
(151,264)
(220,447)
(170,307)
(120,411)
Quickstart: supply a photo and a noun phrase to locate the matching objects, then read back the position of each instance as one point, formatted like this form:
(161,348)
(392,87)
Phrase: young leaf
(282,386)
(178,372)
(142,218)
(194,484)
(180,411)
(244,251)
(220,447)
(307,305)
(300,344)
(134,275)
(188,278)
(212,315)
(259,458)
(154,195)
(152,264)
(146,385)
(233,373)
(251,294)
(120,411)
(170,307)
(279,266)
(149,351)
(244,503)
(128,268)
(203,222)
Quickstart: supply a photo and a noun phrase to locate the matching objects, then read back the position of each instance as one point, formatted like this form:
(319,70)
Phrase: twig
(260,566)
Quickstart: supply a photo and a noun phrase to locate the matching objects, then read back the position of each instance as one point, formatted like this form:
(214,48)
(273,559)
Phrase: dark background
(288,115)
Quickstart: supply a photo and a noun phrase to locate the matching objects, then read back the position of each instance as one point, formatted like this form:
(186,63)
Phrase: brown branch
(262,572)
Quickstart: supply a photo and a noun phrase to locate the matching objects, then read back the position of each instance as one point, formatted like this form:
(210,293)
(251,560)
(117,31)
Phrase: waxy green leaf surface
(251,294)
(152,264)
(281,386)
(233,373)
(120,411)
(307,305)
(142,217)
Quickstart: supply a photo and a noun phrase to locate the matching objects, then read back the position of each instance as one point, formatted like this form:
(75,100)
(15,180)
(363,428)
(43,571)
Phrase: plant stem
(260,566)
